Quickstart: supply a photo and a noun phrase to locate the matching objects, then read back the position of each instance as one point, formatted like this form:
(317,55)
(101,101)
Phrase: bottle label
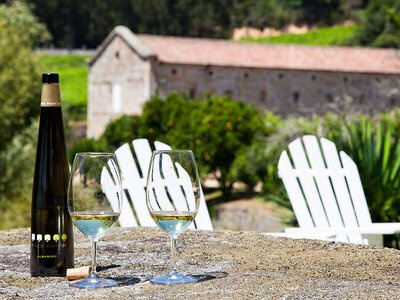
(50,94)
(48,237)
(49,241)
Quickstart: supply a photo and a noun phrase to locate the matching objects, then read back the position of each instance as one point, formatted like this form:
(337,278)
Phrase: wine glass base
(173,278)
(93,283)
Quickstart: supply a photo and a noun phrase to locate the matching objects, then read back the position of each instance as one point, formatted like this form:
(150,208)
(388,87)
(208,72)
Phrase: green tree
(19,106)
(380,26)
(17,162)
(220,129)
(217,129)
(19,77)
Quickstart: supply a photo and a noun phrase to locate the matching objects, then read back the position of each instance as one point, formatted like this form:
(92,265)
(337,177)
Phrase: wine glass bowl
(94,203)
(173,199)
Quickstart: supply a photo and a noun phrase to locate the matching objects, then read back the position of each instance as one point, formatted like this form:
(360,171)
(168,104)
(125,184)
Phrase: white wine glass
(173,199)
(94,204)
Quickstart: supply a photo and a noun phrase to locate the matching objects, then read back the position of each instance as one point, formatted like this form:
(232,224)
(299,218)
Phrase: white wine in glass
(94,203)
(173,199)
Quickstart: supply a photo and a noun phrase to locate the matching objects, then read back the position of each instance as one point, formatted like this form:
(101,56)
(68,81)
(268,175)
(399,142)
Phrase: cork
(78,273)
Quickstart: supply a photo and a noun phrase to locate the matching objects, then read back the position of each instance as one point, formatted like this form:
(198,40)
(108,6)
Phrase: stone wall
(228,264)
(119,83)
(285,91)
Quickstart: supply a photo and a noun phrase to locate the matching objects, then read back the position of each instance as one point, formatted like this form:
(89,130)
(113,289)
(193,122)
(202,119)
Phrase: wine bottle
(52,240)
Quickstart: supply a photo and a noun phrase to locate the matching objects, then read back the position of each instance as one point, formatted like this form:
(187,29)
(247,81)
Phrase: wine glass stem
(173,253)
(94,256)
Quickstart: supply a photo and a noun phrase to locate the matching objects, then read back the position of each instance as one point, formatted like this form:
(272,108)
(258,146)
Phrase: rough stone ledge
(242,265)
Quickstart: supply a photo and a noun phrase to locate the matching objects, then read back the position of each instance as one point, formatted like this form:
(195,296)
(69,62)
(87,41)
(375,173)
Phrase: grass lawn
(336,35)
(73,72)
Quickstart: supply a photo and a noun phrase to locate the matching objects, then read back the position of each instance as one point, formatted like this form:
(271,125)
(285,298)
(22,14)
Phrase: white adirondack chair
(327,195)
(134,209)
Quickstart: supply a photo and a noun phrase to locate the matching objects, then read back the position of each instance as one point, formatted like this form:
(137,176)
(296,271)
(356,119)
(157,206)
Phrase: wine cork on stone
(78,273)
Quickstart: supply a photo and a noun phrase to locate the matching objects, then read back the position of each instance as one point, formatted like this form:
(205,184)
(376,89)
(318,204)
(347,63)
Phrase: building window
(392,100)
(117,55)
(313,77)
(329,98)
(246,75)
(263,95)
(210,73)
(192,93)
(280,76)
(116,96)
(173,71)
(296,96)
(228,93)
(345,79)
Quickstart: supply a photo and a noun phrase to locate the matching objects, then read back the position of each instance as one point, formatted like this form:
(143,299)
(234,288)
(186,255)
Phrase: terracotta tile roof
(196,51)
(295,57)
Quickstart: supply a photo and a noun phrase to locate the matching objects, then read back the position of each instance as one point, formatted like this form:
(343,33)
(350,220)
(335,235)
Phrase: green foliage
(19,77)
(73,72)
(386,40)
(122,130)
(220,128)
(20,85)
(21,26)
(254,163)
(375,148)
(337,35)
(217,129)
(169,119)
(265,13)
(373,144)
(17,162)
(286,131)
(86,145)
(86,23)
(75,24)
(118,132)
(236,143)
(380,26)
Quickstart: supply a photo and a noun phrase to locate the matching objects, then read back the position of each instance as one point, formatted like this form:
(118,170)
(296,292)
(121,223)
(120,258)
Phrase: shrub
(17,162)
(87,145)
(218,130)
(375,148)
(122,130)
(387,40)
(19,78)
(169,120)
(329,126)
(288,130)
(19,105)
(254,163)
(373,144)
(380,26)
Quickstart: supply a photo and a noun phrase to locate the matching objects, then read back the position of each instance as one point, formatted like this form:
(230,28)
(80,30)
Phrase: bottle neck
(50,95)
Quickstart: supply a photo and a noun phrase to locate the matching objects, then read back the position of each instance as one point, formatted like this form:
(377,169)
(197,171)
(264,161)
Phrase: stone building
(127,69)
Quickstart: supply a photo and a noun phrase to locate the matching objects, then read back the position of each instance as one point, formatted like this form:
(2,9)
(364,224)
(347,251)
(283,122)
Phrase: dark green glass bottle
(52,240)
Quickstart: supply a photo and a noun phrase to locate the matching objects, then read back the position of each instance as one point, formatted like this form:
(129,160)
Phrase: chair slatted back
(324,189)
(134,183)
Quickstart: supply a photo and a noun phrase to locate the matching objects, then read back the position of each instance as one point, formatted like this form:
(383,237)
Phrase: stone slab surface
(231,265)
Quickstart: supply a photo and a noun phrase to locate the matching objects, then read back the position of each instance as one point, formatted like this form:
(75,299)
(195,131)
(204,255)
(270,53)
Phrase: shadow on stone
(124,281)
(209,276)
(104,268)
